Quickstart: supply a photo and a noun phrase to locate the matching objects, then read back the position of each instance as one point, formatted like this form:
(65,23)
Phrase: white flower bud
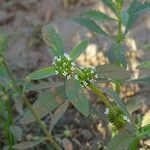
(85,83)
(56,72)
(126,119)
(68,77)
(64,73)
(76,76)
(106,111)
(96,76)
(55,57)
(73,64)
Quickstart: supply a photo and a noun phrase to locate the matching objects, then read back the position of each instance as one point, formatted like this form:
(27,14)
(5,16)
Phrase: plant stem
(98,92)
(10,123)
(119,37)
(41,124)
(117,87)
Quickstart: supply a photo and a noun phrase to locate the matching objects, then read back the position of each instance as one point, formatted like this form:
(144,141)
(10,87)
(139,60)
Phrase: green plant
(58,95)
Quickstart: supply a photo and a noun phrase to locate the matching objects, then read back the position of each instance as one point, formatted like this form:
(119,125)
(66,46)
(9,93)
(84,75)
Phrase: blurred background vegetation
(23,19)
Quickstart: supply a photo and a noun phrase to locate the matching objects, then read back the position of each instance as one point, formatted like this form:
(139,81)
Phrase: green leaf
(53,40)
(96,15)
(4,76)
(79,49)
(73,89)
(134,144)
(135,10)
(144,131)
(27,145)
(98,113)
(3,43)
(38,87)
(44,104)
(117,55)
(121,142)
(144,65)
(144,80)
(77,97)
(3,112)
(117,100)
(58,114)
(112,72)
(41,74)
(111,5)
(91,25)
(17,132)
(133,104)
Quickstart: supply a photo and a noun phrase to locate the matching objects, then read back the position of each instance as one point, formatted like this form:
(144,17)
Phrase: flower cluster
(89,76)
(117,117)
(64,65)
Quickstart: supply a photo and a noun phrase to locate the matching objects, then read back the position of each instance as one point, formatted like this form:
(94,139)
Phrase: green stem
(41,124)
(10,123)
(98,92)
(117,87)
(119,37)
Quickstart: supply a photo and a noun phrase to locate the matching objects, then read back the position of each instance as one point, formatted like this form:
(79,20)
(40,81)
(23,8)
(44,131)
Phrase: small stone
(87,135)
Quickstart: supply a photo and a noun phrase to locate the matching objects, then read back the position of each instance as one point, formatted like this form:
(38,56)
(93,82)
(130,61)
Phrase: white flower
(68,77)
(126,119)
(85,83)
(76,76)
(72,68)
(64,73)
(67,56)
(59,59)
(73,64)
(106,111)
(92,71)
(55,57)
(53,63)
(92,80)
(96,76)
(56,72)
(82,67)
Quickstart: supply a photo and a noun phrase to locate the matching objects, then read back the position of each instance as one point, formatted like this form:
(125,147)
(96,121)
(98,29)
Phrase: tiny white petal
(96,76)
(53,63)
(72,68)
(76,77)
(126,118)
(92,80)
(92,71)
(106,111)
(68,77)
(73,64)
(85,83)
(64,73)
(55,57)
(82,67)
(56,72)
(59,59)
